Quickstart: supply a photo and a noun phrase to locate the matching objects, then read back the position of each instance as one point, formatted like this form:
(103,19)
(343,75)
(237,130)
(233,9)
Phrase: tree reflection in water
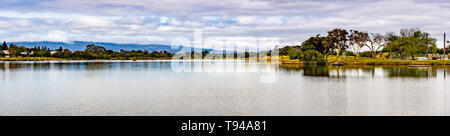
(319,71)
(367,71)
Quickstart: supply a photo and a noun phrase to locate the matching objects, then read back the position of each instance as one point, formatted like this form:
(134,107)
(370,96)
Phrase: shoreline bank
(284,61)
(378,62)
(62,59)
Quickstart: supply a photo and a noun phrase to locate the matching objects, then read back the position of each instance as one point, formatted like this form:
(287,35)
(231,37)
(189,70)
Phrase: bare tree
(358,40)
(390,36)
(408,32)
(376,42)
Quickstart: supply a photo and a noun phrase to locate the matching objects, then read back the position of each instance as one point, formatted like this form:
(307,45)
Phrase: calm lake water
(219,88)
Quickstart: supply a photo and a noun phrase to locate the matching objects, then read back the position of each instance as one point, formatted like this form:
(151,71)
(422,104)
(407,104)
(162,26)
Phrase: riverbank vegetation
(344,47)
(29,59)
(338,47)
(92,52)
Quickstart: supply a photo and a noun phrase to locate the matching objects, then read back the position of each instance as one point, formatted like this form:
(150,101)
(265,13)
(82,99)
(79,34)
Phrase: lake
(219,88)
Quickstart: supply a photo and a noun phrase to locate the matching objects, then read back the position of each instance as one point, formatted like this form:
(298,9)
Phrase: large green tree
(13,50)
(427,41)
(337,38)
(412,44)
(318,43)
(94,51)
(408,46)
(295,53)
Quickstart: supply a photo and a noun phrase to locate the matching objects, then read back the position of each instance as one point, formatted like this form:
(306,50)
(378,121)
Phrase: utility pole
(426,55)
(444,45)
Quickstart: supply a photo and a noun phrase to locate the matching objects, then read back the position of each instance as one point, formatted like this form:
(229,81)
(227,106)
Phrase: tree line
(410,44)
(91,52)
(99,52)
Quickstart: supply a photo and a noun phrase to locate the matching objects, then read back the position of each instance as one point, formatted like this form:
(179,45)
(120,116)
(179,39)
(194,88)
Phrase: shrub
(349,53)
(312,56)
(294,53)
(365,54)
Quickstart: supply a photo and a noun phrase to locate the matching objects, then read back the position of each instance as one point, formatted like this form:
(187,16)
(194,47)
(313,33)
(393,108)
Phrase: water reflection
(81,66)
(411,71)
(368,71)
(218,88)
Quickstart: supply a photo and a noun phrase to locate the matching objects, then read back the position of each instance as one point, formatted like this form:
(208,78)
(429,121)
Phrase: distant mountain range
(81,45)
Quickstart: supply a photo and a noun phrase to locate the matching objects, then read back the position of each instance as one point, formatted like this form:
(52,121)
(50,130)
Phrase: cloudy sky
(159,21)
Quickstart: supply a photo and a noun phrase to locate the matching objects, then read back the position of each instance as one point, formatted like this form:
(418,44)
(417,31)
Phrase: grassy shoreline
(369,61)
(30,59)
(332,60)
(63,59)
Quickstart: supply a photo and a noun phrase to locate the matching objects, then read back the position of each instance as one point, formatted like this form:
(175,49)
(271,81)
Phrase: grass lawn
(28,58)
(350,60)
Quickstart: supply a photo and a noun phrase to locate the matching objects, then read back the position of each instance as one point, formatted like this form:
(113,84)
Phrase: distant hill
(81,45)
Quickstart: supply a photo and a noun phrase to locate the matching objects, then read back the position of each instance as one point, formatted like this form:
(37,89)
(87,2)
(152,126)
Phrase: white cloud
(258,20)
(29,15)
(165,28)
(57,36)
(174,22)
(89,21)
(118,20)
(273,21)
(247,20)
(163,20)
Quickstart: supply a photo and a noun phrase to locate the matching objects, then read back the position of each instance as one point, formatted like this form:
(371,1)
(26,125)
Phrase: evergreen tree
(4,46)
